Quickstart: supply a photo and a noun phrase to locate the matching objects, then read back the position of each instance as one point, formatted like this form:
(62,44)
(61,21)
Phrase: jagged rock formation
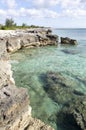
(15,111)
(68,41)
(15,40)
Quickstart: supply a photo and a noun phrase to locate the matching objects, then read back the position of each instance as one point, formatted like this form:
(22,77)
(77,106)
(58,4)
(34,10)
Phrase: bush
(10,23)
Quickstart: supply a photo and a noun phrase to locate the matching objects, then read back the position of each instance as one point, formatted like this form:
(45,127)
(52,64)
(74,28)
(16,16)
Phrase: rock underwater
(73,111)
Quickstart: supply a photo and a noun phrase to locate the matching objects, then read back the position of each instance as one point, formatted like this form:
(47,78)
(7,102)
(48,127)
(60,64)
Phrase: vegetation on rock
(11,25)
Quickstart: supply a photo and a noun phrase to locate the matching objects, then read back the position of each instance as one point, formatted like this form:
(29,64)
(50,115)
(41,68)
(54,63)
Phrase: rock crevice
(15,40)
(15,109)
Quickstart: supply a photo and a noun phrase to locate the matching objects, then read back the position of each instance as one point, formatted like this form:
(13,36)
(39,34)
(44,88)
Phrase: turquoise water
(68,63)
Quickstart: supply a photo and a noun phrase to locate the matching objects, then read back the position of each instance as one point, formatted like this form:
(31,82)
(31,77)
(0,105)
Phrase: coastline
(9,84)
(13,114)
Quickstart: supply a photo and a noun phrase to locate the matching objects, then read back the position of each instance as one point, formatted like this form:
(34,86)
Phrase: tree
(9,23)
(24,25)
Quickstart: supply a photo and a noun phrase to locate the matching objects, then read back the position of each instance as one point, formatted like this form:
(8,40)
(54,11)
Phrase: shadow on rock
(59,88)
(66,121)
(72,115)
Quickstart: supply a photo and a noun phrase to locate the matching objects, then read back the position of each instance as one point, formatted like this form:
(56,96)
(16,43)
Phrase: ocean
(53,75)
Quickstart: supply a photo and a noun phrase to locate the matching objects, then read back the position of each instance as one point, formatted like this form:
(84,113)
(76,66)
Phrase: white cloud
(72,8)
(69,3)
(10,3)
(45,3)
(75,13)
(69,8)
(42,8)
(50,13)
(23,12)
(38,13)
(2,12)
(12,12)
(29,12)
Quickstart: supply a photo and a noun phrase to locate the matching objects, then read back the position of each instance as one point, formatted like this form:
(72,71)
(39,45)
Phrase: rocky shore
(18,39)
(15,109)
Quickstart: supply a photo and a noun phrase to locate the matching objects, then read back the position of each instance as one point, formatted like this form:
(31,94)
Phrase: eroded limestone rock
(15,110)
(68,41)
(15,40)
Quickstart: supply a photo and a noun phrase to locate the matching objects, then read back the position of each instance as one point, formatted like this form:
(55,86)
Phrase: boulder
(68,41)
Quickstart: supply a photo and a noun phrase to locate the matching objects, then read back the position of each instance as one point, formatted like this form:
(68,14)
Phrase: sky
(50,13)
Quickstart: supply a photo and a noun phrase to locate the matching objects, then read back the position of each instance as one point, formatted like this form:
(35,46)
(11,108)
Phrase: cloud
(69,4)
(69,8)
(45,3)
(75,13)
(53,9)
(23,12)
(43,8)
(73,8)
(2,12)
(9,3)
(42,13)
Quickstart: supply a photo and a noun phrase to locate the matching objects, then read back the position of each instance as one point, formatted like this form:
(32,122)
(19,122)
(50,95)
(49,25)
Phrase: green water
(68,62)
(29,64)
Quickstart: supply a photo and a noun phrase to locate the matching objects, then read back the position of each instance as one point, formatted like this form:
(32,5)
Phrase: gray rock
(30,38)
(69,41)
(11,99)
(3,51)
(15,111)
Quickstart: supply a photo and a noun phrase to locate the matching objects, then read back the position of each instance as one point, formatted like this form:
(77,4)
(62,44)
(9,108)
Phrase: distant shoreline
(69,28)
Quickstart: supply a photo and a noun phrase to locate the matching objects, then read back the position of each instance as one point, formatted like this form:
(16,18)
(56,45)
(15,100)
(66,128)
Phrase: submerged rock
(56,85)
(73,52)
(68,41)
(77,111)
(73,112)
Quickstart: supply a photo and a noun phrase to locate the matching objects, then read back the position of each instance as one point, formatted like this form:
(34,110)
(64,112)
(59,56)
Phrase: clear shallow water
(69,61)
